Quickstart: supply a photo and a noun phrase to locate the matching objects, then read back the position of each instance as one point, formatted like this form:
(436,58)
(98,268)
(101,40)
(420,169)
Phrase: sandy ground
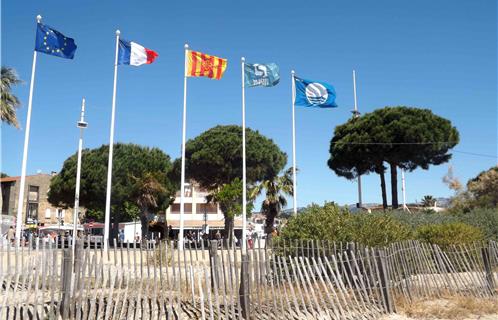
(460,308)
(470,317)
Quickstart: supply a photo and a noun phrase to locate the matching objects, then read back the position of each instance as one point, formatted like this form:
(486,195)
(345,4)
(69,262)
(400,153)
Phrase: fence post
(67,272)
(488,269)
(244,284)
(213,262)
(384,281)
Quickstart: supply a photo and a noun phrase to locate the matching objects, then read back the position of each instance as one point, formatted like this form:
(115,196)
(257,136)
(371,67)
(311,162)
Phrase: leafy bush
(378,230)
(415,220)
(319,223)
(330,222)
(484,219)
(447,234)
(335,224)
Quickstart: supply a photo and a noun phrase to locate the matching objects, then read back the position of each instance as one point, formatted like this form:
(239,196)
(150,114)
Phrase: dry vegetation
(447,308)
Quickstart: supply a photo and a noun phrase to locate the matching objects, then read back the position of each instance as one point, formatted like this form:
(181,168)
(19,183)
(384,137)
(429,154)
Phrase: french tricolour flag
(134,54)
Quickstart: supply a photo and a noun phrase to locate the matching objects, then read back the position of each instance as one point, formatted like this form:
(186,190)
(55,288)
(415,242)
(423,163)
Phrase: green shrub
(484,219)
(447,234)
(378,229)
(330,222)
(417,219)
(319,223)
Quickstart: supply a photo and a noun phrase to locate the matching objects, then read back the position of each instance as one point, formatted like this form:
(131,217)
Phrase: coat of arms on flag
(204,65)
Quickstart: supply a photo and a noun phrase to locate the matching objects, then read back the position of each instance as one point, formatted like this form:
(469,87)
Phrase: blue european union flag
(51,41)
(265,75)
(314,94)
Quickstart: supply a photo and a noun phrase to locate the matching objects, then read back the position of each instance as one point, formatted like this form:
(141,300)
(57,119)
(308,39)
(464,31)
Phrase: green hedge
(330,222)
(333,223)
(448,234)
(417,219)
(484,219)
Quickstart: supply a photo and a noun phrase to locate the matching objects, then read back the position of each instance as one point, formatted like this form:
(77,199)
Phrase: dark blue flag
(51,41)
(314,94)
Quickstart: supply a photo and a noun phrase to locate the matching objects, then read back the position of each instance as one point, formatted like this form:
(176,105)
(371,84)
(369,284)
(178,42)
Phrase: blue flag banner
(265,75)
(314,94)
(51,41)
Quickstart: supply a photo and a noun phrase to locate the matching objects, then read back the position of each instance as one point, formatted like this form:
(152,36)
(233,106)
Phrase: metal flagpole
(294,177)
(244,188)
(20,202)
(356,114)
(403,188)
(111,145)
(184,130)
(82,125)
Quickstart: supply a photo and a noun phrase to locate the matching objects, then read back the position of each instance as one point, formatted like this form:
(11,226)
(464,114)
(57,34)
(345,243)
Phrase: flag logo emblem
(316,93)
(258,74)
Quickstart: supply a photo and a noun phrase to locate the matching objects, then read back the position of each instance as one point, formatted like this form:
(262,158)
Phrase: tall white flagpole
(403,188)
(82,125)
(294,176)
(111,147)
(244,180)
(356,114)
(184,134)
(20,202)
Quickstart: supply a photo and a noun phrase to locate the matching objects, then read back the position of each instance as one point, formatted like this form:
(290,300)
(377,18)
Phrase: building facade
(36,208)
(197,211)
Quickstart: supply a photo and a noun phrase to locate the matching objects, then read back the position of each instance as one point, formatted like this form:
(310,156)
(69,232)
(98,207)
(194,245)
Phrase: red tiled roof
(10,179)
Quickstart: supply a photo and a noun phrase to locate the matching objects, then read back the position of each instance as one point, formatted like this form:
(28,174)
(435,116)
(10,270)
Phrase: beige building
(197,211)
(36,208)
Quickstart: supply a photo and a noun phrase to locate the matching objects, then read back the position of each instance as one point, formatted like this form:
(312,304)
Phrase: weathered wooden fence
(215,280)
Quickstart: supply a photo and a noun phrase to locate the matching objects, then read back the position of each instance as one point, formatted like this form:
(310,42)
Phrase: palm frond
(9,102)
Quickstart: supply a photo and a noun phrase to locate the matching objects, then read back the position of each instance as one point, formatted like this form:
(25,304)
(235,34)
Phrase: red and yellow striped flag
(204,65)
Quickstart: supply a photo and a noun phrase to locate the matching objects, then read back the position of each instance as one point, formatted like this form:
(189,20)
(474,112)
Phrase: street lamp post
(81,125)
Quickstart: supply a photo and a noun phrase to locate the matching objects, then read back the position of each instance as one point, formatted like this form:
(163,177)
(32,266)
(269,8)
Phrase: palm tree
(147,195)
(276,189)
(428,201)
(9,102)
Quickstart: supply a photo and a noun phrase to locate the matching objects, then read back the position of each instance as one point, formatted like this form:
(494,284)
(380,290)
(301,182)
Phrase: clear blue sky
(440,55)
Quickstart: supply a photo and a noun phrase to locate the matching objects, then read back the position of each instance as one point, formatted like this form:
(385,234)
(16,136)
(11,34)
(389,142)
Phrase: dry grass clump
(449,307)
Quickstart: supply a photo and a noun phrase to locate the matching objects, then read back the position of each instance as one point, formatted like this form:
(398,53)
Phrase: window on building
(33,193)
(6,197)
(48,213)
(32,214)
(175,208)
(206,207)
(32,208)
(188,190)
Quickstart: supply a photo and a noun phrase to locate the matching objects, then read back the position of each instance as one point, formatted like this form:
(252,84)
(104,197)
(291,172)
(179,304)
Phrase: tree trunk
(270,220)
(383,188)
(145,223)
(394,185)
(229,229)
(114,226)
